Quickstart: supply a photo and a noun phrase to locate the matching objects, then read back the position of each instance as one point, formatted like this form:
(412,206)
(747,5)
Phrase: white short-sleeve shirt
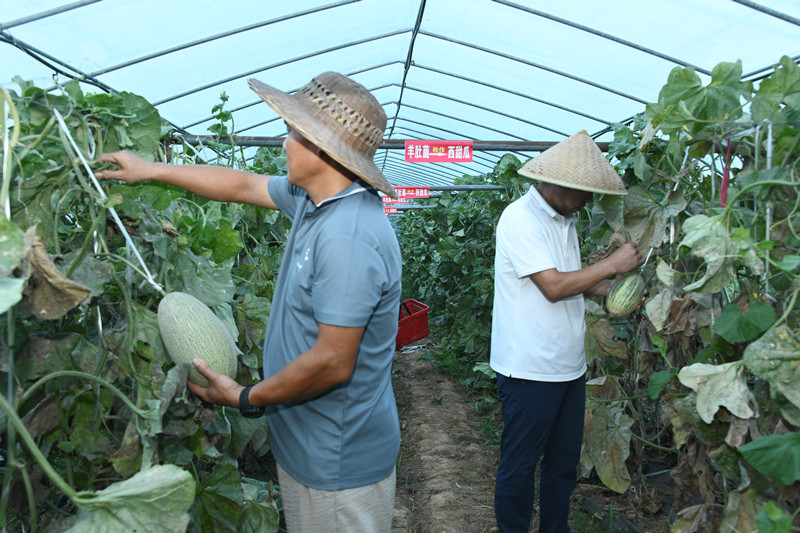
(532,337)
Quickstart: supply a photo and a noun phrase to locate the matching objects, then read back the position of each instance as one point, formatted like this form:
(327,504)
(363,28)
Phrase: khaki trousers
(366,509)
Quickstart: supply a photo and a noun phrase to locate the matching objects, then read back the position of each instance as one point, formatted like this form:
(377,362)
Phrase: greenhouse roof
(510,76)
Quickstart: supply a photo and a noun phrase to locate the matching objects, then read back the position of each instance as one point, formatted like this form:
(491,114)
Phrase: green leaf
(10,292)
(657,383)
(220,499)
(12,242)
(207,282)
(735,327)
(775,357)
(259,518)
(92,273)
(773,519)
(156,500)
(749,179)
(723,94)
(776,456)
(226,242)
(782,87)
(243,430)
(144,127)
(789,263)
(682,84)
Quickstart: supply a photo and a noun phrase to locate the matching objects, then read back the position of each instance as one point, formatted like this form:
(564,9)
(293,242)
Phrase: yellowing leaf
(719,386)
(658,308)
(708,238)
(775,357)
(607,446)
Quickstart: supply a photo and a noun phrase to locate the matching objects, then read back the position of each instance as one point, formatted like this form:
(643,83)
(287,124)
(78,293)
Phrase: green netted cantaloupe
(625,295)
(191,330)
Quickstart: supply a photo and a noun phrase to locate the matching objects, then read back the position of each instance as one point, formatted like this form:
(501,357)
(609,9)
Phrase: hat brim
(302,117)
(571,185)
(575,163)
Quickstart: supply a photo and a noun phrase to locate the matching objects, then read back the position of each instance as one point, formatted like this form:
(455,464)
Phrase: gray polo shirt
(341,267)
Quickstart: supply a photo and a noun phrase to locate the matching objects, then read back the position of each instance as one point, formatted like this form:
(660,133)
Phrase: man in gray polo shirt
(330,338)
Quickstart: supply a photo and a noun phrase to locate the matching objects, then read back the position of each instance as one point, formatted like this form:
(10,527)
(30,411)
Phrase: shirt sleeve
(526,246)
(349,282)
(285,195)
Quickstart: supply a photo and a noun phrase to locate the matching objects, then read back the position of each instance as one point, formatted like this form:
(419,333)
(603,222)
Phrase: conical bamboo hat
(575,163)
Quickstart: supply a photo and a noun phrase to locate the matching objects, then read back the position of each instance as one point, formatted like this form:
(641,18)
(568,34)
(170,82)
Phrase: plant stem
(86,242)
(758,184)
(31,500)
(88,377)
(10,435)
(131,265)
(652,444)
(48,469)
(786,311)
(39,138)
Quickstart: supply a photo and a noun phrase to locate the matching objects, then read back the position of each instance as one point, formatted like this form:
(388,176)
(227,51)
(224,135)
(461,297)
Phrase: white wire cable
(6,156)
(131,245)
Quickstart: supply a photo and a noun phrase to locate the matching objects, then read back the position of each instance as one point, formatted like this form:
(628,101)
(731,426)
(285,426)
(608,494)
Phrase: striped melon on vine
(189,329)
(625,295)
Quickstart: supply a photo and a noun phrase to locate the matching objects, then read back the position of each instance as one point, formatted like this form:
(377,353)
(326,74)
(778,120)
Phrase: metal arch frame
(512,92)
(604,35)
(48,13)
(536,65)
(280,63)
(256,102)
(222,35)
(484,108)
(771,12)
(408,62)
(397,119)
(259,101)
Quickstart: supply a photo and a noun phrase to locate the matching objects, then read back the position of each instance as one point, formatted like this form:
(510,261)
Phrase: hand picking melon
(191,330)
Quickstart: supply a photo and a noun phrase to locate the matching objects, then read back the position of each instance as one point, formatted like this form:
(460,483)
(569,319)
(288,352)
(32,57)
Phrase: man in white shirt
(538,330)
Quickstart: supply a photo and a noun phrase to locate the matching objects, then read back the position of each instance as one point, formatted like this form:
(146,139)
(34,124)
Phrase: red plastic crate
(413,324)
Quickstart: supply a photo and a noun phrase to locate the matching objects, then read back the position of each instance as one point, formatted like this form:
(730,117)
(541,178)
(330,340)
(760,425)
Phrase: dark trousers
(540,419)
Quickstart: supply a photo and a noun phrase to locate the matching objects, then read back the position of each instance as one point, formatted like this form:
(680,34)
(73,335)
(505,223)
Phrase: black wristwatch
(247,410)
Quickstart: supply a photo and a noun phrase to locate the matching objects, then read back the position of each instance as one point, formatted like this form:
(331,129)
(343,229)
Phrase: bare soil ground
(446,472)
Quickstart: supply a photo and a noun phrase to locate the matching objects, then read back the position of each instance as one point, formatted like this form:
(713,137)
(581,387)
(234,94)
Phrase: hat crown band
(354,122)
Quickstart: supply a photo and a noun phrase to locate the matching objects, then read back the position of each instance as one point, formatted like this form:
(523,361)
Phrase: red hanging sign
(412,192)
(438,151)
(406,193)
(390,200)
(389,210)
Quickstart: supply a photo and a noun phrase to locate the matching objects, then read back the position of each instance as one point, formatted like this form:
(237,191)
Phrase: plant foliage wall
(706,374)
(98,430)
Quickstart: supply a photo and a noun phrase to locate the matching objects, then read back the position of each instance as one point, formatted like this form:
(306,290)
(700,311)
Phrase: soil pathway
(446,472)
(445,475)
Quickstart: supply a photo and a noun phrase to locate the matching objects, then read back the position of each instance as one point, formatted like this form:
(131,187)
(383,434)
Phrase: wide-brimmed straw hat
(575,163)
(338,115)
